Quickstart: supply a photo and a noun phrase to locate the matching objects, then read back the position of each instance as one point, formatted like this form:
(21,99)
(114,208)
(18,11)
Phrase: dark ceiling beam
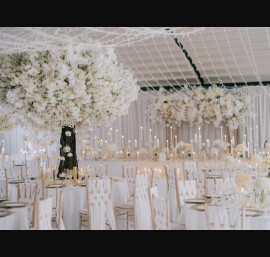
(227,85)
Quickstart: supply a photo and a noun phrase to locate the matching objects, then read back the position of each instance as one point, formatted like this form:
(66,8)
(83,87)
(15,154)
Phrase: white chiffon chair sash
(171,195)
(44,214)
(142,204)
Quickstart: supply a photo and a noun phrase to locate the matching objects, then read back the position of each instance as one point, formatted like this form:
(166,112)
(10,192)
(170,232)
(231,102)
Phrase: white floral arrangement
(241,148)
(223,145)
(214,151)
(242,179)
(262,183)
(266,162)
(5,124)
(201,106)
(228,159)
(143,151)
(51,89)
(112,147)
(258,159)
(165,150)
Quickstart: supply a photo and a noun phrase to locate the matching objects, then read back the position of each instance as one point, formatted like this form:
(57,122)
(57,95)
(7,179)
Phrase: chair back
(44,214)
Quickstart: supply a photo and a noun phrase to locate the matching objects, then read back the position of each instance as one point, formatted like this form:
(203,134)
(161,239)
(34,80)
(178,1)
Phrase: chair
(101,171)
(139,202)
(200,178)
(57,214)
(225,217)
(186,190)
(171,177)
(99,212)
(189,167)
(44,214)
(160,212)
(142,209)
(28,194)
(129,173)
(4,187)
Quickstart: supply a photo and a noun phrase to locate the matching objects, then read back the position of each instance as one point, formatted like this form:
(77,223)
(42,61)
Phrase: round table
(196,220)
(16,221)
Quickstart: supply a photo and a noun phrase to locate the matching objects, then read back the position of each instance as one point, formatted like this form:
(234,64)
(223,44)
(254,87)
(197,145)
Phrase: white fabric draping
(137,117)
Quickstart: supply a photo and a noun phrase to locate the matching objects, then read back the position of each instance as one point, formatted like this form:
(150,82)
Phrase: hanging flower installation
(5,124)
(48,90)
(201,106)
(54,90)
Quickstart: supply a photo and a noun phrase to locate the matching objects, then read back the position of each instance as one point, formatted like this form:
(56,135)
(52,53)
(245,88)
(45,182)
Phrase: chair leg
(80,225)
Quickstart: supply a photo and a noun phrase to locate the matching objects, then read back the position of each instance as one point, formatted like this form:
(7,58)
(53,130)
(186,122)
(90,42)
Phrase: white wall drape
(137,117)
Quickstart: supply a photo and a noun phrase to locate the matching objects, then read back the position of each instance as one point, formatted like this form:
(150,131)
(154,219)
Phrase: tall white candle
(110,135)
(176,140)
(225,138)
(141,137)
(135,143)
(116,137)
(150,139)
(171,134)
(167,144)
(101,143)
(129,143)
(250,134)
(221,134)
(245,140)
(122,141)
(199,131)
(208,145)
(248,149)
(157,142)
(195,138)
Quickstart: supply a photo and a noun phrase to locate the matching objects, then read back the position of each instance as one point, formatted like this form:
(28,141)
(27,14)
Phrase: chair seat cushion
(84,212)
(177,227)
(128,205)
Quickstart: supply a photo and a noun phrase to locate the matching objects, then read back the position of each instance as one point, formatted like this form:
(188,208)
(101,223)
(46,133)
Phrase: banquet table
(196,220)
(16,221)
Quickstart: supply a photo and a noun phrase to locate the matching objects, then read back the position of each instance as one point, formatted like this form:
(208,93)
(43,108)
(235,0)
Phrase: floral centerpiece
(262,184)
(228,160)
(188,150)
(155,151)
(241,149)
(223,145)
(242,179)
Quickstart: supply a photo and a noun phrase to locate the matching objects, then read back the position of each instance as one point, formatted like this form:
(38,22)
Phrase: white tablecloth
(16,221)
(196,220)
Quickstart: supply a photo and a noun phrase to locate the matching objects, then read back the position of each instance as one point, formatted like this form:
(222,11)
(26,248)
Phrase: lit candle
(167,145)
(199,131)
(136,143)
(110,135)
(150,138)
(157,142)
(141,134)
(129,144)
(221,134)
(171,134)
(231,147)
(208,145)
(195,138)
(116,136)
(225,138)
(122,141)
(176,140)
(245,139)
(101,143)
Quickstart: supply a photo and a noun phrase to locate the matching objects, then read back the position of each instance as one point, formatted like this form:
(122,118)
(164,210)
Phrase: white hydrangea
(48,90)
(5,124)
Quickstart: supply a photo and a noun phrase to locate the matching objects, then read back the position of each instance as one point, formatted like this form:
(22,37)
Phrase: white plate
(12,205)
